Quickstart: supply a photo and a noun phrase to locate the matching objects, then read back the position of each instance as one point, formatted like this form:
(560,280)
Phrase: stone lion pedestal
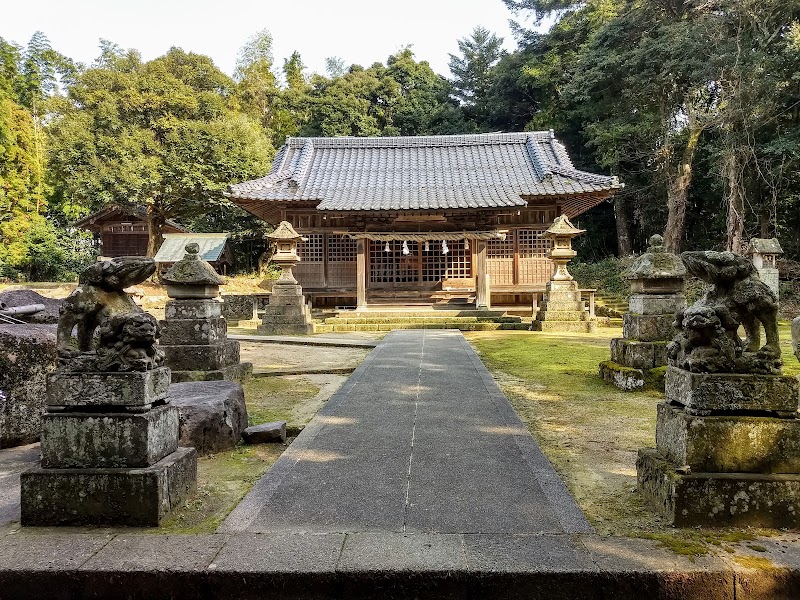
(110,452)
(728,434)
(639,357)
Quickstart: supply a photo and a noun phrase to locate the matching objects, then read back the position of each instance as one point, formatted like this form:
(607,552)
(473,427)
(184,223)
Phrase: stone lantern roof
(192,277)
(562,227)
(285,233)
(764,246)
(656,263)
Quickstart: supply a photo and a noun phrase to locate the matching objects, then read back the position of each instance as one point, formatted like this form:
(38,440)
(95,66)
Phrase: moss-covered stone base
(718,499)
(628,378)
(131,497)
(728,443)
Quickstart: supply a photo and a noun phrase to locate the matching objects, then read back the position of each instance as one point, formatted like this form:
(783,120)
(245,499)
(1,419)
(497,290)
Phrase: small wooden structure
(423,219)
(213,249)
(122,230)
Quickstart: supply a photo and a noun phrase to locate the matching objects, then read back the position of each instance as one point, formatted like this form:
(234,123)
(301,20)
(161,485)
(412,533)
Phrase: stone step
(329,328)
(368,320)
(420,312)
(569,326)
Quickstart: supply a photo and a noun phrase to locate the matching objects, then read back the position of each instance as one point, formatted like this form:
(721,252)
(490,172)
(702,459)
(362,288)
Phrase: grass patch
(278,399)
(223,479)
(591,431)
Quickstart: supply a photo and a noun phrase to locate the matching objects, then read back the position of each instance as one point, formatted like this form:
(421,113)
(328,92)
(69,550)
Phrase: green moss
(755,562)
(222,481)
(276,398)
(679,545)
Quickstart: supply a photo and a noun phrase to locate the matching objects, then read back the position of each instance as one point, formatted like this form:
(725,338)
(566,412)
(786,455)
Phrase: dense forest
(694,104)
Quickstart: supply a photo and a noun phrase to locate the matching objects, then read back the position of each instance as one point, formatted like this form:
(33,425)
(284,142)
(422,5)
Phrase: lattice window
(497,248)
(311,250)
(341,248)
(393,266)
(434,263)
(532,243)
(459,261)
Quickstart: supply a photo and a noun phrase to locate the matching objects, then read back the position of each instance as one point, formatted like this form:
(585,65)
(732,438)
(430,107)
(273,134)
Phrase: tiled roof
(174,247)
(491,170)
(130,210)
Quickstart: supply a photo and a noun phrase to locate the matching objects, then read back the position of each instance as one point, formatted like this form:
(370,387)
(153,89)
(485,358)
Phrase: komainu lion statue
(707,340)
(113,333)
(796,337)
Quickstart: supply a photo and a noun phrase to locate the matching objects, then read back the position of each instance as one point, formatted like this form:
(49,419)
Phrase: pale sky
(358,31)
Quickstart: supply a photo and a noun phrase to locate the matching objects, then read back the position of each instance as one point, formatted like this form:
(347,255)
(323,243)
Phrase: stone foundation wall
(27,355)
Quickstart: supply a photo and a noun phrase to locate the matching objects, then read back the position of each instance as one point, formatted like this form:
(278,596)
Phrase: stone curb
(306,341)
(301,371)
(377,564)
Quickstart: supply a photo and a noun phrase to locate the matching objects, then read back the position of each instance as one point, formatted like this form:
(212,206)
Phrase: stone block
(280,290)
(639,355)
(656,304)
(201,357)
(671,285)
(265,433)
(702,393)
(237,307)
(213,414)
(106,440)
(628,378)
(728,444)
(27,355)
(565,326)
(569,305)
(177,332)
(192,292)
(126,497)
(648,328)
(561,315)
(239,373)
(130,389)
(193,309)
(287,329)
(718,499)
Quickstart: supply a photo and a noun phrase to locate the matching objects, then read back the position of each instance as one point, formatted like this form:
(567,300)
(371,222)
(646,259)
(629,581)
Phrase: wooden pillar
(482,291)
(361,274)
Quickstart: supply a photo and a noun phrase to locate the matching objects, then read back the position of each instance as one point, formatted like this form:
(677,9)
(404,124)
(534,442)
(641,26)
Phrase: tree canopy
(695,105)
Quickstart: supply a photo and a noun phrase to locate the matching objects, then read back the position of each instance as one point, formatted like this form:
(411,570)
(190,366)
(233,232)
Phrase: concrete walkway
(419,439)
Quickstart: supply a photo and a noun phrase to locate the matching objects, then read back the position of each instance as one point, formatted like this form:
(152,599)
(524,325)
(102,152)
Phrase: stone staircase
(387,320)
(610,306)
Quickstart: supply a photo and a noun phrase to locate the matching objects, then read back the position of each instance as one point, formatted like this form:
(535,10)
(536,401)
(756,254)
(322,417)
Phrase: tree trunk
(155,229)
(678,192)
(624,246)
(732,168)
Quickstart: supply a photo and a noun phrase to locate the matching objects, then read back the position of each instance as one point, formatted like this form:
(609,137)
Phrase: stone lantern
(639,358)
(562,309)
(561,233)
(286,240)
(765,253)
(194,333)
(287,312)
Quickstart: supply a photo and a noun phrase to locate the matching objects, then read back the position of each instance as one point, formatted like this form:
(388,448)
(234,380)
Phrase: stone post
(727,451)
(110,452)
(765,253)
(195,335)
(287,312)
(639,357)
(562,308)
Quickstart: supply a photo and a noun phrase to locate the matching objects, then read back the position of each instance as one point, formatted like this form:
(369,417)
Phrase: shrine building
(423,219)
